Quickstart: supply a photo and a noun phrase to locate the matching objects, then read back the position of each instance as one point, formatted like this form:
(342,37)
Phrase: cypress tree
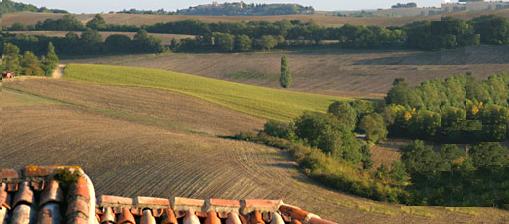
(11,60)
(286,77)
(50,61)
(31,65)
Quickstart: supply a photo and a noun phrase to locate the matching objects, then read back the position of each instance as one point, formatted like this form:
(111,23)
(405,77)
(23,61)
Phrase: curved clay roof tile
(191,217)
(233,218)
(78,207)
(293,212)
(4,202)
(108,216)
(3,215)
(277,219)
(80,188)
(147,217)
(24,195)
(49,214)
(52,193)
(295,221)
(169,217)
(126,217)
(212,218)
(22,214)
(256,218)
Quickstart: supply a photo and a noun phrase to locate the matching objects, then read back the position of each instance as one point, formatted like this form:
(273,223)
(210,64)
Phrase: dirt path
(59,72)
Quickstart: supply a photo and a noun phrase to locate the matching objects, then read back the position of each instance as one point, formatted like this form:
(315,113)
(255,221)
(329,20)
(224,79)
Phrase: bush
(277,129)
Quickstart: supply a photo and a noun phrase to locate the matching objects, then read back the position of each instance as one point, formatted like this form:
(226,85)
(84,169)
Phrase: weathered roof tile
(150,202)
(52,193)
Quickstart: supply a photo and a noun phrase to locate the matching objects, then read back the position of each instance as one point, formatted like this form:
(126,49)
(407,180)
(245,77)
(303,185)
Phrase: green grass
(257,101)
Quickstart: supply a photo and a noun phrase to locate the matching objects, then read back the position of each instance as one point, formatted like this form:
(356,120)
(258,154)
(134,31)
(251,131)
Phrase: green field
(257,101)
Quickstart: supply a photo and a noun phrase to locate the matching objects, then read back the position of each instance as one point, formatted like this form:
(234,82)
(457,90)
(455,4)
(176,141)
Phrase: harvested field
(320,18)
(141,105)
(165,38)
(257,101)
(129,158)
(358,73)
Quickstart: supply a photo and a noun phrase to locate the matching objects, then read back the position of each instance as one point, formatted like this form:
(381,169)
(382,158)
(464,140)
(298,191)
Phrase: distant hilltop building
(473,5)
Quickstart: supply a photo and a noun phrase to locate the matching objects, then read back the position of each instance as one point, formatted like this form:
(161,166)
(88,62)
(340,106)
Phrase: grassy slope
(258,101)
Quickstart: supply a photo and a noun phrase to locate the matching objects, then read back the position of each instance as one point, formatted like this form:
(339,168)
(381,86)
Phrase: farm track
(357,73)
(130,158)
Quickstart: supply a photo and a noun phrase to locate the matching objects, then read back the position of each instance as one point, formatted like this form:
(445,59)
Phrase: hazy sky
(90,6)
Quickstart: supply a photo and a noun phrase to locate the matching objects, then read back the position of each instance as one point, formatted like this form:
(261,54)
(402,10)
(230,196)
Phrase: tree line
(458,109)
(244,36)
(28,63)
(89,42)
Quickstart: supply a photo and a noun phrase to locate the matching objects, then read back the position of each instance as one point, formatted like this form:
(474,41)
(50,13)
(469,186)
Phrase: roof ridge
(85,208)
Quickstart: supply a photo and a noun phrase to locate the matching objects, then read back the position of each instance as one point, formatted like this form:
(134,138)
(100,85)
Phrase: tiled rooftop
(64,194)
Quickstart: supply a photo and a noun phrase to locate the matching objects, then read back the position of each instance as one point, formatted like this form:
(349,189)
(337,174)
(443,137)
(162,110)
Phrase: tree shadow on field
(461,56)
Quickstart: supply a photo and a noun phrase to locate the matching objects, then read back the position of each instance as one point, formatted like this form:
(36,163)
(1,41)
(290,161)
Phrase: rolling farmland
(322,19)
(261,102)
(61,122)
(357,73)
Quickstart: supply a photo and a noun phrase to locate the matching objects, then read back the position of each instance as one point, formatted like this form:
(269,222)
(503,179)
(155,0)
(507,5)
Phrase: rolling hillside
(257,101)
(320,18)
(357,73)
(68,122)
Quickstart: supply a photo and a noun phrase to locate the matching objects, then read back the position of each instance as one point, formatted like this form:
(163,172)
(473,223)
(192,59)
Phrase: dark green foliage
(30,65)
(285,79)
(373,126)
(50,61)
(451,176)
(327,133)
(66,23)
(458,109)
(97,23)
(489,156)
(493,29)
(278,129)
(243,43)
(447,33)
(118,43)
(345,113)
(243,9)
(7,6)
(267,42)
(11,59)
(144,43)
(335,173)
(223,41)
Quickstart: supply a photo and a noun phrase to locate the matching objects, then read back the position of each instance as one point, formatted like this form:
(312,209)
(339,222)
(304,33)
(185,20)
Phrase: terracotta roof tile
(81,206)
(147,217)
(150,202)
(24,195)
(190,217)
(126,217)
(185,204)
(9,174)
(169,217)
(212,218)
(49,214)
(52,193)
(114,201)
(107,216)
(233,218)
(22,214)
(249,206)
